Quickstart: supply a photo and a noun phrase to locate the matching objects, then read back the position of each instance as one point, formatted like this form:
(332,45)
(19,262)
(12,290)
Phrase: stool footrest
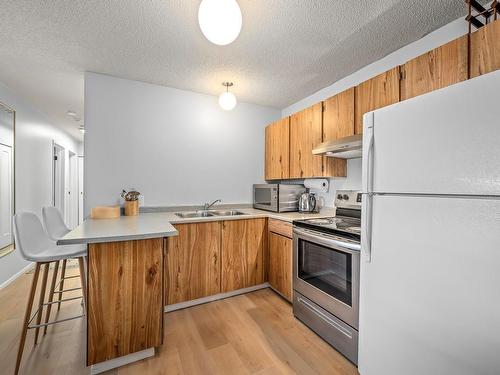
(50,303)
(66,290)
(54,322)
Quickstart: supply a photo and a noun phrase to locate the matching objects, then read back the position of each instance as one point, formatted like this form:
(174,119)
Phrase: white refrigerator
(430,268)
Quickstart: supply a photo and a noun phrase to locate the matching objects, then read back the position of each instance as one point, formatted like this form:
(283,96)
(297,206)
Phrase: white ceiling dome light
(227,100)
(220,20)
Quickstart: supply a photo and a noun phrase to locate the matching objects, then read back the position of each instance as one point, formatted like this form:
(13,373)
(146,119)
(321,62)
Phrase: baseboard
(15,276)
(215,297)
(121,361)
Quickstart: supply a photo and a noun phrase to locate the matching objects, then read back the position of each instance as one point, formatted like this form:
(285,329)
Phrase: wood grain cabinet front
(305,134)
(125,302)
(441,67)
(280,264)
(192,267)
(243,244)
(375,93)
(485,49)
(277,157)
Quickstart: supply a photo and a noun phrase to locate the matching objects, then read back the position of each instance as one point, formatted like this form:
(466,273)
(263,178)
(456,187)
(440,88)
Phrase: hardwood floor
(254,333)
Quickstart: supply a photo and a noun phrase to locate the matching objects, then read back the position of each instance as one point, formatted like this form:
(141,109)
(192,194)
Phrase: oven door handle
(331,241)
(325,318)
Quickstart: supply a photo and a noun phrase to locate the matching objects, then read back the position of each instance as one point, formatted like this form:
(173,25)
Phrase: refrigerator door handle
(366,227)
(367,202)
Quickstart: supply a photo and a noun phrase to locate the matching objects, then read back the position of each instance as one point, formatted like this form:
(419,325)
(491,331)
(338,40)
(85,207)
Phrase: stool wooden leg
(27,314)
(41,299)
(51,295)
(83,278)
(61,284)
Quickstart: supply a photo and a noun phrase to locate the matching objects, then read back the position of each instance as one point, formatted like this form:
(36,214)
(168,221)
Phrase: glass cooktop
(341,225)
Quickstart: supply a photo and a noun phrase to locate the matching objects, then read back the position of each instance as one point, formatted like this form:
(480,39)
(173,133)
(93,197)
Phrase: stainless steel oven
(326,274)
(277,197)
(326,270)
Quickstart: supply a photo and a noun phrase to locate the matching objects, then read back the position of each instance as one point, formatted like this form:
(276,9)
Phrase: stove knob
(346,197)
(339,196)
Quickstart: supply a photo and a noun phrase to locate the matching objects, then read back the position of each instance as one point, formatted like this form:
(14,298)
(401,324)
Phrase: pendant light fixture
(227,100)
(220,20)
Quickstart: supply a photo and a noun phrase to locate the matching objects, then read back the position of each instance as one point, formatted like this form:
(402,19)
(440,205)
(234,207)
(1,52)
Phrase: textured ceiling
(287,49)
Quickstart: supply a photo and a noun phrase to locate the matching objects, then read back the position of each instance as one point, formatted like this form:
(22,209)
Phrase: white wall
(176,147)
(435,39)
(33,166)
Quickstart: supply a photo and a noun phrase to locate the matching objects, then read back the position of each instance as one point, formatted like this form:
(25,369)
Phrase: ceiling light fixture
(220,20)
(227,100)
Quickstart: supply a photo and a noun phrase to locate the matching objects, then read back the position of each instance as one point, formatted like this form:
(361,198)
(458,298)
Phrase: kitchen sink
(192,214)
(227,213)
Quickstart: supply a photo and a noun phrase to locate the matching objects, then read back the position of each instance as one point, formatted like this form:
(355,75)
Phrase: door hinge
(55,157)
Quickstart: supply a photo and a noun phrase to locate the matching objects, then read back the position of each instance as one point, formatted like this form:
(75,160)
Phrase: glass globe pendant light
(220,20)
(227,100)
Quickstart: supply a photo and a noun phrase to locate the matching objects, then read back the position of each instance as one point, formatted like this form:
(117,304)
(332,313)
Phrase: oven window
(326,269)
(263,196)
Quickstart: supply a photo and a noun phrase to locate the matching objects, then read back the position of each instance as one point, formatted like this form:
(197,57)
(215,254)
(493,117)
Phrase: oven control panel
(348,199)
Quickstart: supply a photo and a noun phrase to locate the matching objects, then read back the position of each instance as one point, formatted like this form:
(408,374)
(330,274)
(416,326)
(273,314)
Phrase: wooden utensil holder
(132,208)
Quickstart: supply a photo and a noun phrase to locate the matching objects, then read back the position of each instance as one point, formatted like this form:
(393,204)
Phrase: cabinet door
(378,92)
(280,264)
(441,67)
(485,49)
(193,262)
(338,122)
(305,134)
(277,150)
(243,244)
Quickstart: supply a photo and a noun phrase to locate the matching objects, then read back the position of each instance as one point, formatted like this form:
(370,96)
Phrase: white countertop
(161,224)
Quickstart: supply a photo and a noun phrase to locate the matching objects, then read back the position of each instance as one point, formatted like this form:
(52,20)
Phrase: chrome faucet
(206,206)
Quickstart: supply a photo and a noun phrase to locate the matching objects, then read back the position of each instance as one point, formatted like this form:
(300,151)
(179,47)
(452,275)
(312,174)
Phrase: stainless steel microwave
(277,197)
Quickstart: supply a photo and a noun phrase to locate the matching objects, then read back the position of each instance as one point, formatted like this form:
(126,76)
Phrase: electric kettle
(307,202)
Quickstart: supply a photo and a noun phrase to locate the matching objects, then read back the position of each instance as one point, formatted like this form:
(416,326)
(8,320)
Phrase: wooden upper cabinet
(485,49)
(305,134)
(338,122)
(338,116)
(243,244)
(277,160)
(192,266)
(377,92)
(441,67)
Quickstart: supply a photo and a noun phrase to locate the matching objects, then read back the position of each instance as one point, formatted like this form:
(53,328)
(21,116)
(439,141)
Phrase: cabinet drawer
(281,227)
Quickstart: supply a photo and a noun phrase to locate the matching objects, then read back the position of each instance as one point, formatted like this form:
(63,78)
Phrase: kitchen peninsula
(126,268)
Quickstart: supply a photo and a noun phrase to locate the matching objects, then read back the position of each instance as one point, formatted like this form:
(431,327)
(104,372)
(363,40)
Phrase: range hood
(343,148)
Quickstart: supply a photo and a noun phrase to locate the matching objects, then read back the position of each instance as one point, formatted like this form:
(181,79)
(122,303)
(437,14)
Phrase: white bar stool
(35,246)
(57,229)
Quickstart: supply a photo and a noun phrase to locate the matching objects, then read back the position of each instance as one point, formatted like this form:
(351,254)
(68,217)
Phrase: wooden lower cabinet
(192,264)
(243,244)
(125,302)
(280,264)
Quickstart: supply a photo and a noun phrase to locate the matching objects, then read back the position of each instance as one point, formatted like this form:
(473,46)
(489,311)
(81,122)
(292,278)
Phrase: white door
(6,197)
(59,178)
(444,142)
(429,298)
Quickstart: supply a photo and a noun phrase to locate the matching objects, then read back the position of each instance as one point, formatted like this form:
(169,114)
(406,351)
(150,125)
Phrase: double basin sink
(208,213)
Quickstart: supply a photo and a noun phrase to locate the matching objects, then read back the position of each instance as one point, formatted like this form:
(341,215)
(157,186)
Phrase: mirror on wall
(7,207)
